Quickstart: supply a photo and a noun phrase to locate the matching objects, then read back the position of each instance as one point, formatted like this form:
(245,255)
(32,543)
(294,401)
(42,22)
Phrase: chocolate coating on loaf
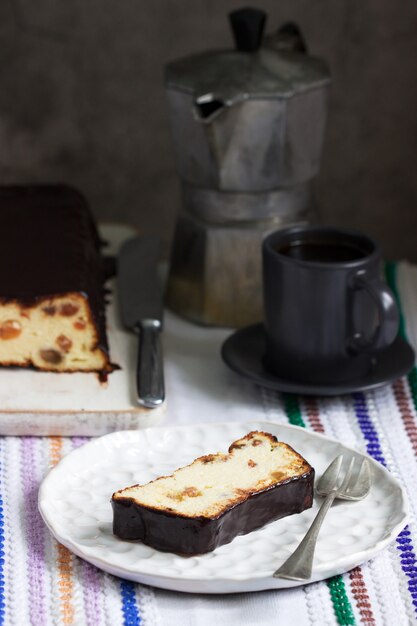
(190,536)
(49,246)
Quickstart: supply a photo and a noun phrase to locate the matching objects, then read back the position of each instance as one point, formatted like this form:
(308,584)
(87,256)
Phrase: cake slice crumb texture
(216,482)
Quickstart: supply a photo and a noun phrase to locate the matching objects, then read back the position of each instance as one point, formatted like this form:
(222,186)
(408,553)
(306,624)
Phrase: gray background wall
(82,101)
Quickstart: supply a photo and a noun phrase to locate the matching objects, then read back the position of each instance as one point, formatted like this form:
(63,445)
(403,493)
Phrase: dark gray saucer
(244,350)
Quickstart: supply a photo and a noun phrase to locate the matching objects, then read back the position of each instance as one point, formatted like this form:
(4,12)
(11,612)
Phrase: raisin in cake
(219,496)
(51,282)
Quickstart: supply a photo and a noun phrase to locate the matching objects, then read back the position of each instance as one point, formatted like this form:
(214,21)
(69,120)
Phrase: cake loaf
(219,496)
(52,309)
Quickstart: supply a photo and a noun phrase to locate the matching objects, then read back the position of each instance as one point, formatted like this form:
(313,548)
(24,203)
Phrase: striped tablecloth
(41,582)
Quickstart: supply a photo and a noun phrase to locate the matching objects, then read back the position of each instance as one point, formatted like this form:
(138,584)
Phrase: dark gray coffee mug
(327,311)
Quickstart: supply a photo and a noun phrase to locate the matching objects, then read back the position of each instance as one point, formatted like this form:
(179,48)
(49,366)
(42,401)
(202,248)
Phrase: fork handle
(299,565)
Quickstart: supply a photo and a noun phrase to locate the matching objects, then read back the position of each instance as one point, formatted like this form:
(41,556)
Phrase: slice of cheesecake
(217,497)
(52,309)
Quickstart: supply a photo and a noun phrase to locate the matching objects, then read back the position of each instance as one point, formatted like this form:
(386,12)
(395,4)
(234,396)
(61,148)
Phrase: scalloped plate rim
(215,584)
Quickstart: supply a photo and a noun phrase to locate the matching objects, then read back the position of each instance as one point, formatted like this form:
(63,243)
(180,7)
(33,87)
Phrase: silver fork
(300,564)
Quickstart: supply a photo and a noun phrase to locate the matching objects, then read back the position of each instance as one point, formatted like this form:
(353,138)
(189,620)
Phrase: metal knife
(141,306)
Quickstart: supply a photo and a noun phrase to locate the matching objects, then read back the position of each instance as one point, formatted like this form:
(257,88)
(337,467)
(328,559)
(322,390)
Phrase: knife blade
(141,308)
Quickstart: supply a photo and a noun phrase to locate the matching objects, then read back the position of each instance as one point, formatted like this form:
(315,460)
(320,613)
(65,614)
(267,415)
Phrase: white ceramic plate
(74,500)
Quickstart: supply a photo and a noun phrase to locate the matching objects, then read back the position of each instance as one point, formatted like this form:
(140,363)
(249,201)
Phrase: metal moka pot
(247,126)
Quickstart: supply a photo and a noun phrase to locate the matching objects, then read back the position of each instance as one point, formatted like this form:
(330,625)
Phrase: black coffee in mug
(321,251)
(327,311)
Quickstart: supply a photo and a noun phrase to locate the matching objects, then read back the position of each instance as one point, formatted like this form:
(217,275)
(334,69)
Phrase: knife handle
(150,373)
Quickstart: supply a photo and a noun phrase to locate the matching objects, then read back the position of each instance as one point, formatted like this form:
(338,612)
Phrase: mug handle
(388,314)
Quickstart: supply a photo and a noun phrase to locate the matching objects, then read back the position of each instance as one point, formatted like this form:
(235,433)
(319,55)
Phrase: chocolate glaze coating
(49,246)
(190,536)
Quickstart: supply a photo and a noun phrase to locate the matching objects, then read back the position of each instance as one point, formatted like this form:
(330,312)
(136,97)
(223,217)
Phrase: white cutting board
(44,403)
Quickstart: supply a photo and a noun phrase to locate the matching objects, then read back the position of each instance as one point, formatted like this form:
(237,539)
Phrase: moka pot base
(215,274)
